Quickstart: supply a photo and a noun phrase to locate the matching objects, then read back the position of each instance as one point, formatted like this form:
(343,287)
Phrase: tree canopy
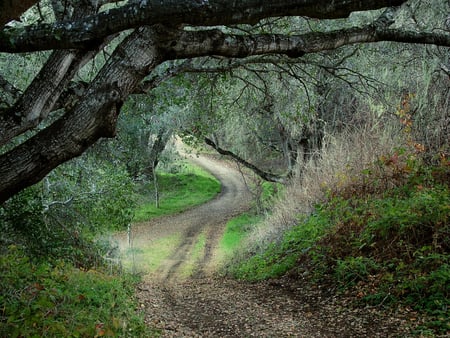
(56,113)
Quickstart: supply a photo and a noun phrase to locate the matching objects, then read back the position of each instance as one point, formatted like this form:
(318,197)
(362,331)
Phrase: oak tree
(56,117)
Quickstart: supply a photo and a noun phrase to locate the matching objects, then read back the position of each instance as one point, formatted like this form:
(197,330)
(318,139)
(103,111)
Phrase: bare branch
(264,175)
(170,72)
(53,203)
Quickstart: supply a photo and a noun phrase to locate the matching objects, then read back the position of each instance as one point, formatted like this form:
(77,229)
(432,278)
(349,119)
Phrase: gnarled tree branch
(94,115)
(9,92)
(40,97)
(75,34)
(264,175)
(215,42)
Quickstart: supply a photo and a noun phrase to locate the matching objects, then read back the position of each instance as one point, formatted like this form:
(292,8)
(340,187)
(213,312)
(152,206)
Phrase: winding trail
(208,219)
(201,304)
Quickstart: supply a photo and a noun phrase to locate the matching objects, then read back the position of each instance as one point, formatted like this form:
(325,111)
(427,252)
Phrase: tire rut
(205,305)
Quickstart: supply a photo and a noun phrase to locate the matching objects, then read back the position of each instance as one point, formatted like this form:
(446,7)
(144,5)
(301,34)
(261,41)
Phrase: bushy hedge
(40,299)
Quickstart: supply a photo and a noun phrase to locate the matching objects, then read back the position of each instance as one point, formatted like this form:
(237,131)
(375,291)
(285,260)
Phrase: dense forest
(335,114)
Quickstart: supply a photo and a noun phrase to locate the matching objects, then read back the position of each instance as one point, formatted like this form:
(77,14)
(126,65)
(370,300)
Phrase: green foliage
(415,218)
(396,245)
(59,217)
(101,194)
(266,194)
(58,300)
(279,258)
(23,221)
(350,270)
(235,231)
(388,247)
(178,192)
(113,210)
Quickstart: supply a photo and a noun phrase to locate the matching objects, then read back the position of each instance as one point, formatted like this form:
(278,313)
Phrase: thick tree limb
(40,97)
(94,117)
(85,33)
(186,44)
(264,175)
(95,114)
(214,42)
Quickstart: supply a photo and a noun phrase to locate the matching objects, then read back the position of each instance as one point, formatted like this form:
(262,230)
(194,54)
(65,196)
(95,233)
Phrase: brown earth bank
(206,305)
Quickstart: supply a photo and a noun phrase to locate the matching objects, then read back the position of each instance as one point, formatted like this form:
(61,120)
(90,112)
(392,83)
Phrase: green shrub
(414,217)
(235,231)
(58,300)
(60,217)
(351,270)
(24,222)
(391,246)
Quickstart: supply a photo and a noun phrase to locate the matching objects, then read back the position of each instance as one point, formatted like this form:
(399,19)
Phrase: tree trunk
(94,117)
(154,152)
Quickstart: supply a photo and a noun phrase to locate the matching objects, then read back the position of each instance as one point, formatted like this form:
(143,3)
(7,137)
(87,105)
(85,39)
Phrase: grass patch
(148,258)
(196,254)
(235,232)
(281,257)
(178,192)
(39,299)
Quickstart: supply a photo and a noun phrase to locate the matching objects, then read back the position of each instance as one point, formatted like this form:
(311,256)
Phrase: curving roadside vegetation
(375,230)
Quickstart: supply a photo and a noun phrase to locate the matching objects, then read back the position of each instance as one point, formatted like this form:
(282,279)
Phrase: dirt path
(204,305)
(207,220)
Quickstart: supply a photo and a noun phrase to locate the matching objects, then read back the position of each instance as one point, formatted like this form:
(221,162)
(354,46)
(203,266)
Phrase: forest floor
(203,304)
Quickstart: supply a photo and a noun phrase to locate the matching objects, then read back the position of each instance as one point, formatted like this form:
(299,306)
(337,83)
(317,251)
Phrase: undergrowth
(392,248)
(383,236)
(43,299)
(279,258)
(370,218)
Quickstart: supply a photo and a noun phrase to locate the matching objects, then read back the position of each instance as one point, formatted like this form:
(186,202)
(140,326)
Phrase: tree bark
(75,34)
(94,117)
(95,114)
(39,98)
(155,150)
(214,42)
